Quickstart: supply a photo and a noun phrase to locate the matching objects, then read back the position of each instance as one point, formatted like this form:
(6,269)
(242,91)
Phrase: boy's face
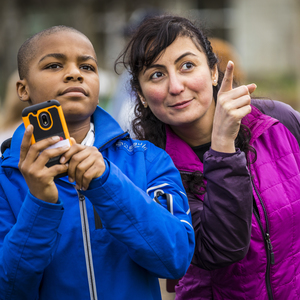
(64,68)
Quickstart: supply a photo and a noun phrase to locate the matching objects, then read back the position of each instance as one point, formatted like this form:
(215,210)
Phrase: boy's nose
(176,84)
(73,74)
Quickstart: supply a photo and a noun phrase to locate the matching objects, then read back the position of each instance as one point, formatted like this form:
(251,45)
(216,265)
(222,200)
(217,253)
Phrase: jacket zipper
(87,247)
(86,236)
(268,244)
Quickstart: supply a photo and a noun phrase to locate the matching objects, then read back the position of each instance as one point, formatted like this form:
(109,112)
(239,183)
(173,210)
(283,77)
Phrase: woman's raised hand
(232,105)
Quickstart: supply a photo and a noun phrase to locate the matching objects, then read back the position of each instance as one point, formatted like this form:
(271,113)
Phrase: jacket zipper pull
(270,247)
(80,196)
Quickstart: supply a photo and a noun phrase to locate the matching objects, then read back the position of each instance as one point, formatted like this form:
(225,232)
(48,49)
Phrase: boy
(45,252)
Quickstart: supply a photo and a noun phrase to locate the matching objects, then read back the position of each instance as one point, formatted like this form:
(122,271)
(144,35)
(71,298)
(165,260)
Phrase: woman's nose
(176,84)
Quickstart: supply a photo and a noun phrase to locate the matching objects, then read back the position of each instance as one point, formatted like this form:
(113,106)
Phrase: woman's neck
(199,132)
(193,135)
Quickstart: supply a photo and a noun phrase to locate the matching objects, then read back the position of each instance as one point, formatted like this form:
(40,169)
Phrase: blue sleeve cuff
(102,179)
(57,206)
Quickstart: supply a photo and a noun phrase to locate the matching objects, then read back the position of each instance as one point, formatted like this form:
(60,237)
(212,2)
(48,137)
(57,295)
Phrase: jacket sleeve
(159,240)
(27,245)
(222,222)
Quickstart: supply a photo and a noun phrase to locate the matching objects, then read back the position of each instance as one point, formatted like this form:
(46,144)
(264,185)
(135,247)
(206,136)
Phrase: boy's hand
(32,164)
(85,164)
(232,105)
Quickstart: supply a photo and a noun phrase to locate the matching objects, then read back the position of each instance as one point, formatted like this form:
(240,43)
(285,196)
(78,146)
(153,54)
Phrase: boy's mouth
(74,90)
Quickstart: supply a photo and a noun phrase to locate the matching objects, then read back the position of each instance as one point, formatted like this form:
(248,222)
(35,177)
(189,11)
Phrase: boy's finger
(45,143)
(228,78)
(26,142)
(57,169)
(251,87)
(47,154)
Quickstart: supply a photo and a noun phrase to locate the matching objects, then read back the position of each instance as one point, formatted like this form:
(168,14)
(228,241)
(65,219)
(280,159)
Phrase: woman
(240,166)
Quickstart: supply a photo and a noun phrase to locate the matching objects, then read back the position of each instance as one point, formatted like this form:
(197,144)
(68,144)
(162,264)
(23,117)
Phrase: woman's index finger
(228,78)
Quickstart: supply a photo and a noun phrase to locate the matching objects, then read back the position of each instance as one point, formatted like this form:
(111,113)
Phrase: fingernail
(62,160)
(28,128)
(71,179)
(56,138)
(77,187)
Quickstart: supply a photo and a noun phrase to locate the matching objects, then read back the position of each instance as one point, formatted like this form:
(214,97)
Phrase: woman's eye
(156,75)
(187,66)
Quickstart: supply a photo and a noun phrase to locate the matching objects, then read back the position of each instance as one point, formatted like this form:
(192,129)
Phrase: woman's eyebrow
(153,66)
(176,61)
(183,55)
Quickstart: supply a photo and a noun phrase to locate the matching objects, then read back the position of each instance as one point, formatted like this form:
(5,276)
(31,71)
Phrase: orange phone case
(48,120)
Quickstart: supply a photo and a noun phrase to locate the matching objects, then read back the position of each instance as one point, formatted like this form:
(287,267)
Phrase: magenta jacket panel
(270,267)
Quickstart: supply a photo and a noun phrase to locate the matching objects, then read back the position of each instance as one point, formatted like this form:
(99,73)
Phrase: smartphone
(48,120)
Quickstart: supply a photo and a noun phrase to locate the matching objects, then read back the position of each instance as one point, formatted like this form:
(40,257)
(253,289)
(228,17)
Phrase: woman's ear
(143,100)
(215,75)
(22,90)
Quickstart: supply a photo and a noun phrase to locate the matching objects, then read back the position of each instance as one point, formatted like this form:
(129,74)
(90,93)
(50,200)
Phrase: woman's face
(178,86)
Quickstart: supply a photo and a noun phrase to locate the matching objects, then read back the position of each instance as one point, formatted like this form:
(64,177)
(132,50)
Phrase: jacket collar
(107,131)
(181,153)
(185,158)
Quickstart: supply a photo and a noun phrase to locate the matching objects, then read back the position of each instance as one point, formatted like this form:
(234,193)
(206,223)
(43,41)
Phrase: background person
(11,110)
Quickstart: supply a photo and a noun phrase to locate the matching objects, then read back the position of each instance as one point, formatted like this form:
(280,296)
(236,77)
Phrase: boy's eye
(53,66)
(88,67)
(187,66)
(156,75)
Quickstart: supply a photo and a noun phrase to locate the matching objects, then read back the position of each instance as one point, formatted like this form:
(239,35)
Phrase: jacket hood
(103,139)
(258,123)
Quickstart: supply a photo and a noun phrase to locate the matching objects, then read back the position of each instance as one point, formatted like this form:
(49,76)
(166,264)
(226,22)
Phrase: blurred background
(264,35)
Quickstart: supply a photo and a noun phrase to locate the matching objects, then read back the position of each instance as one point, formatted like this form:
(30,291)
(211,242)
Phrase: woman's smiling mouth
(182,104)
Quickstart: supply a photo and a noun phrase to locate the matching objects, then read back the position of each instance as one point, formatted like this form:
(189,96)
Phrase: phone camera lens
(45,119)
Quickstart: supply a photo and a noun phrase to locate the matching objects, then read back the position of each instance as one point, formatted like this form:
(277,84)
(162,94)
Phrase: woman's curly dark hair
(149,41)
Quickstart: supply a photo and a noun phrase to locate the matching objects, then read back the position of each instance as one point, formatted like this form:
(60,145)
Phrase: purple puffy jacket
(268,267)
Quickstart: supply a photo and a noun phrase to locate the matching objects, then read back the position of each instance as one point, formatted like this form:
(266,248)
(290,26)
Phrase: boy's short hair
(28,49)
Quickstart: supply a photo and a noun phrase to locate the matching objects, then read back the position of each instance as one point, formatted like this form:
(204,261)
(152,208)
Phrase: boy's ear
(22,90)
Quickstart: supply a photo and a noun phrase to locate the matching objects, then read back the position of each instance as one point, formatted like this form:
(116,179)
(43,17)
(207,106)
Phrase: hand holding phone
(32,165)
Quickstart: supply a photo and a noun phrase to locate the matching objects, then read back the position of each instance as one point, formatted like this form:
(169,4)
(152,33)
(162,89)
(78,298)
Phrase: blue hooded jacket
(42,245)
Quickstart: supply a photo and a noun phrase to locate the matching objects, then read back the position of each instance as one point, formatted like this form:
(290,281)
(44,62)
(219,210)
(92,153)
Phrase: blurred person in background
(11,110)
(121,104)
(239,159)
(225,52)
